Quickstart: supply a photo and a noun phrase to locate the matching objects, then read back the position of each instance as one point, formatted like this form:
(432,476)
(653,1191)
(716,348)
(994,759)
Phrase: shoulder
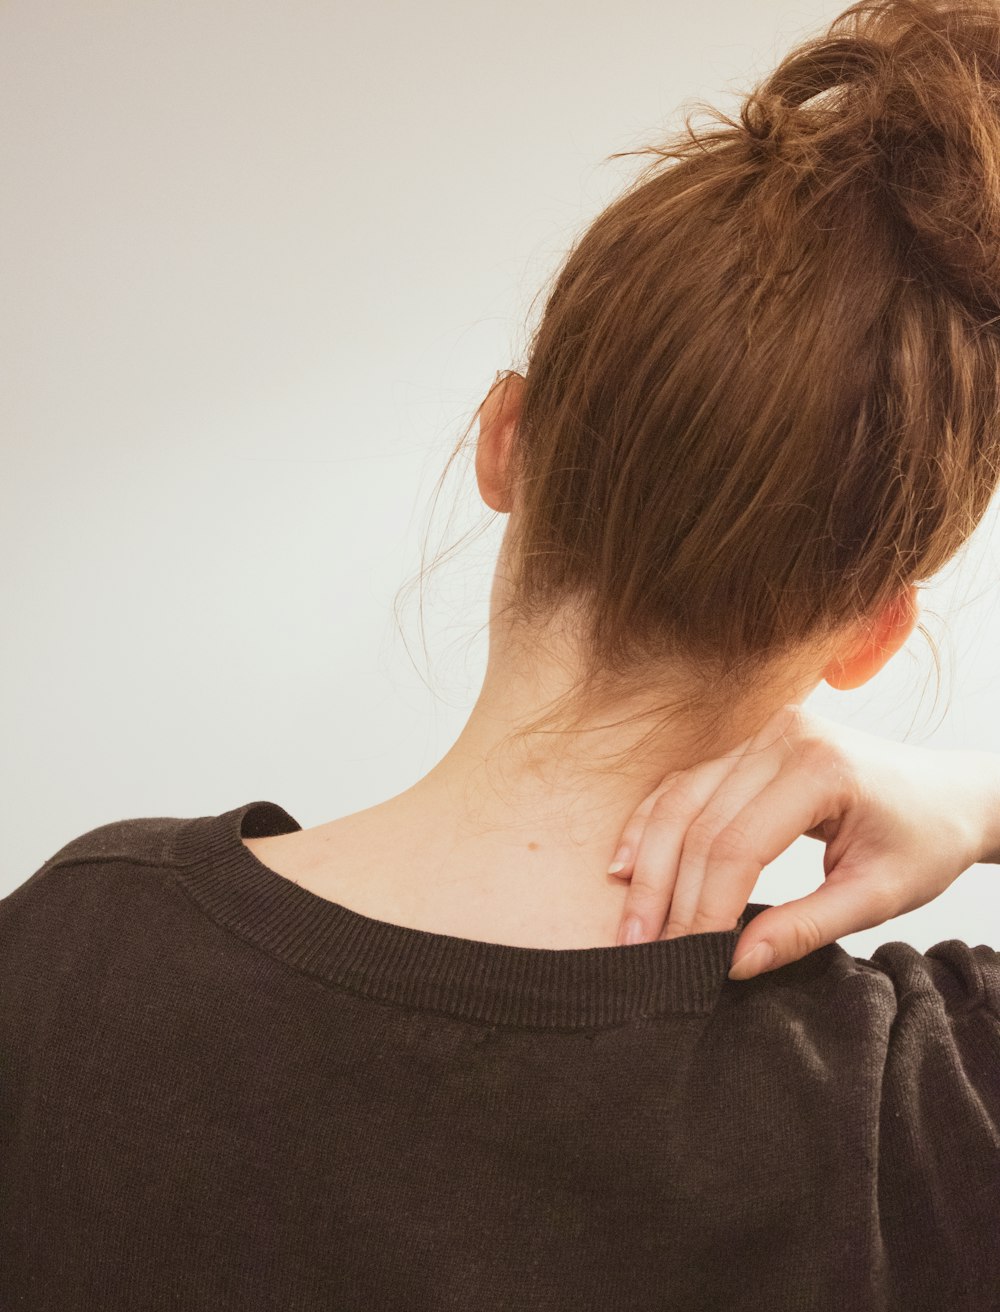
(141,841)
(951,977)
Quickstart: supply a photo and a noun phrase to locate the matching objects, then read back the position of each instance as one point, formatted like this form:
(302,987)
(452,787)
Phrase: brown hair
(764,395)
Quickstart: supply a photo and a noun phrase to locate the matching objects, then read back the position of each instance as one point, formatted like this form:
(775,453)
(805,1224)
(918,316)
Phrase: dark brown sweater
(219,1090)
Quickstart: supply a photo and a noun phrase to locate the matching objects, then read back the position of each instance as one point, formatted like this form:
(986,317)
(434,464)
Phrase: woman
(480,1046)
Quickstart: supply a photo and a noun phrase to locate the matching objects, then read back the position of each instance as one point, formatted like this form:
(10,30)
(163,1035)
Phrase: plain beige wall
(258,264)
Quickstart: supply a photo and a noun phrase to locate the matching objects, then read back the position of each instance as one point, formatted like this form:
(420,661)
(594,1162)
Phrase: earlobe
(878,646)
(846,675)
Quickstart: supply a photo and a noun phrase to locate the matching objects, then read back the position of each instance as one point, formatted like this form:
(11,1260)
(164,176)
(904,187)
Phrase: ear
(877,647)
(499,416)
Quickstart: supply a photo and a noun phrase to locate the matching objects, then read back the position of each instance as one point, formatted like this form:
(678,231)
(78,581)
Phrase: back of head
(763,396)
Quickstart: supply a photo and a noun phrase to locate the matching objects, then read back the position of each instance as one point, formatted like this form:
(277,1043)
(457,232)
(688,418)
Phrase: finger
(844,904)
(785,731)
(658,850)
(717,832)
(752,823)
(624,858)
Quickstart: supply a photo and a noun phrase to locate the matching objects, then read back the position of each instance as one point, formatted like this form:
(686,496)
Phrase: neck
(556,795)
(547,811)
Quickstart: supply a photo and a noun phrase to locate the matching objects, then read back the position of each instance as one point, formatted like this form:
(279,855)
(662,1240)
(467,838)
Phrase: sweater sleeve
(939,1127)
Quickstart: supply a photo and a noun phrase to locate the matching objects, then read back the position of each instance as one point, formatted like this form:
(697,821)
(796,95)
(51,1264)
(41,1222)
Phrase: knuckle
(818,754)
(829,763)
(806,935)
(699,839)
(730,846)
(646,887)
(673,803)
(664,808)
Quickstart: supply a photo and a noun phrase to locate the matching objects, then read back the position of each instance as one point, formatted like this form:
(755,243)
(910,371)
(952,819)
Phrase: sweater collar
(499,984)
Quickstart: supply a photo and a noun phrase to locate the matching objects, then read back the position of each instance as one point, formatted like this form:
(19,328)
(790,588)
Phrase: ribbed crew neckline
(495,983)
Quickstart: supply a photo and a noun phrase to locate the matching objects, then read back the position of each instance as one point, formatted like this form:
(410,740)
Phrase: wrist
(986,767)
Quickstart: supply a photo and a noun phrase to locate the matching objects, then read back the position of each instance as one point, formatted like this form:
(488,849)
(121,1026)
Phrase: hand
(900,824)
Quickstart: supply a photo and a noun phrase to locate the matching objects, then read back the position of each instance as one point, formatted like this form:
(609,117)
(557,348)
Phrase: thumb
(844,904)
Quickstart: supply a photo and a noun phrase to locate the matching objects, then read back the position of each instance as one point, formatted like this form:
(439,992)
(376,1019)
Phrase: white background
(259,263)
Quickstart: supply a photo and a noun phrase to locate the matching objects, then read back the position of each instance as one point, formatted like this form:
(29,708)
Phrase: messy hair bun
(904,99)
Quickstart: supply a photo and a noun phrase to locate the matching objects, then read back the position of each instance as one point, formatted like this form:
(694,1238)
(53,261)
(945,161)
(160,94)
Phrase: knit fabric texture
(220,1090)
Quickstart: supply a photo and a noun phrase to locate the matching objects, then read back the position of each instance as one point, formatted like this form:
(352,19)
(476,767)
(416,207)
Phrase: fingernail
(619,862)
(753,962)
(630,931)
